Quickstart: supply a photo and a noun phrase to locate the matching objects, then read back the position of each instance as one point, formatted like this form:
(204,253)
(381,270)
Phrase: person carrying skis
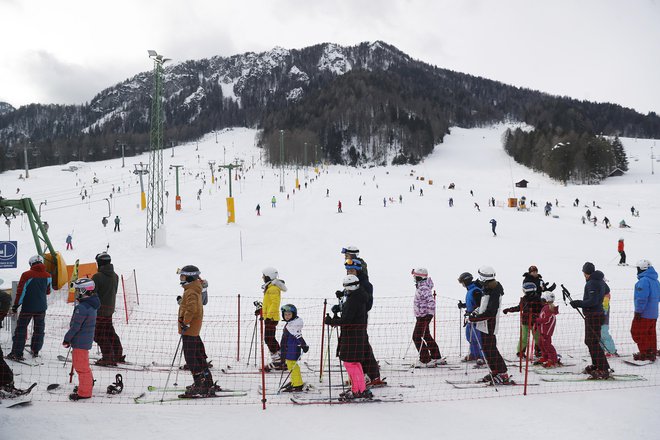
(292,344)
(472,335)
(32,296)
(270,311)
(545,324)
(486,318)
(81,335)
(105,336)
(424,307)
(592,307)
(190,318)
(647,297)
(622,252)
(529,307)
(351,318)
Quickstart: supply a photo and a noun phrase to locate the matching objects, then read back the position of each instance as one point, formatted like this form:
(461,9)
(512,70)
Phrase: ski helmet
(350,250)
(190,272)
(102,259)
(351,282)
(420,272)
(353,263)
(289,308)
(643,264)
(270,273)
(36,259)
(529,288)
(83,286)
(465,278)
(486,273)
(548,296)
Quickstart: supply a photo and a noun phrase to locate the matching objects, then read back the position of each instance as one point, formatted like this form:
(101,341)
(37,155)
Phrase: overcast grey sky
(66,51)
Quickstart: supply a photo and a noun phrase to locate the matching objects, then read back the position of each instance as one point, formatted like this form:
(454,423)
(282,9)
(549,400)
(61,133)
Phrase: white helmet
(644,264)
(35,259)
(270,272)
(83,286)
(486,273)
(350,250)
(351,282)
(548,296)
(420,272)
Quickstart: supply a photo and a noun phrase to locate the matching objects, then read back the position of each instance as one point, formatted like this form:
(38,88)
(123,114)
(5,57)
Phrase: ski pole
(405,355)
(490,371)
(279,388)
(460,335)
(471,330)
(162,398)
(252,341)
(341,371)
(176,378)
(329,364)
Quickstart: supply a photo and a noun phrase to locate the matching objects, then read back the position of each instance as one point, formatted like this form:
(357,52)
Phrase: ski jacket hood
(83,323)
(424,303)
(33,289)
(272,296)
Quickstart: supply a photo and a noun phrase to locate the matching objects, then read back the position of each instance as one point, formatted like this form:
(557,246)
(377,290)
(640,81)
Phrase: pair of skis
(143,398)
(19,398)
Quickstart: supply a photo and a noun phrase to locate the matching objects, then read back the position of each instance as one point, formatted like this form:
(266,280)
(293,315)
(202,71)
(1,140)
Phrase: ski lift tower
(155,216)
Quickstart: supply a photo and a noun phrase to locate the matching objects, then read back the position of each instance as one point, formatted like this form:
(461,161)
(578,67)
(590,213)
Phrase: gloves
(257,312)
(638,316)
(305,348)
(184,327)
(552,287)
(178,299)
(505,311)
(14,309)
(66,344)
(339,294)
(576,303)
(336,309)
(330,321)
(461,305)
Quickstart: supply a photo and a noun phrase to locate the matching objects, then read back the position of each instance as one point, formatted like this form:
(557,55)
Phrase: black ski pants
(492,354)
(6,375)
(424,342)
(369,364)
(592,325)
(107,339)
(194,354)
(269,336)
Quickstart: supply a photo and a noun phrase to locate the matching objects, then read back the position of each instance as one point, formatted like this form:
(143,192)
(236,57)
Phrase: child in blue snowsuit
(472,299)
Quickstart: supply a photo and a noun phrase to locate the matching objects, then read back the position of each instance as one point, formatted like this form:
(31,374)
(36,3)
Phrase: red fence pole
(263,367)
(123,287)
(325,304)
(434,316)
(238,337)
(137,295)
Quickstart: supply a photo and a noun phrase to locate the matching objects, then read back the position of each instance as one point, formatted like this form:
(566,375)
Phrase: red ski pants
(643,333)
(85,377)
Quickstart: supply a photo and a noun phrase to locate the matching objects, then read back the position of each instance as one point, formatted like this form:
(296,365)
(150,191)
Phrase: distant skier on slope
(493,225)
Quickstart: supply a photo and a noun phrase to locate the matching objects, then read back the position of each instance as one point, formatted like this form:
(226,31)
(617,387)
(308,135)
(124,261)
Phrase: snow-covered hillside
(302,237)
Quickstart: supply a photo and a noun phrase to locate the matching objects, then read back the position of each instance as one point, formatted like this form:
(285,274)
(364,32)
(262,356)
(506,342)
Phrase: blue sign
(8,254)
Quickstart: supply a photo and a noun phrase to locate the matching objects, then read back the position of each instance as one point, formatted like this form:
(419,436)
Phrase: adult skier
(273,288)
(424,308)
(107,282)
(622,252)
(493,225)
(647,296)
(81,335)
(472,298)
(190,318)
(592,307)
(351,253)
(31,295)
(486,318)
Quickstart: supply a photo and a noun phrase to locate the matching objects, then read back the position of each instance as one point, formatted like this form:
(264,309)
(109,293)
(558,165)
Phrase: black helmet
(102,259)
(465,278)
(190,272)
(289,308)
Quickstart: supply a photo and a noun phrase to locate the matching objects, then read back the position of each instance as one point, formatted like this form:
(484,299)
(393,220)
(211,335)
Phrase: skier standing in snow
(493,225)
(258,209)
(351,253)
(606,340)
(592,307)
(545,324)
(6,375)
(622,253)
(351,317)
(529,307)
(32,296)
(190,318)
(273,288)
(69,242)
(117,222)
(472,335)
(273,202)
(292,344)
(647,297)
(339,207)
(106,337)
(424,308)
(486,318)
(81,335)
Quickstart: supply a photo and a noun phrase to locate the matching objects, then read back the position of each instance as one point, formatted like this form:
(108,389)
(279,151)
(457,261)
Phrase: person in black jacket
(594,316)
(351,348)
(486,318)
(107,281)
(6,375)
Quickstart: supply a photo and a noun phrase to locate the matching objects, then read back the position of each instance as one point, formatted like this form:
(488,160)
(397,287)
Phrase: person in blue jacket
(594,317)
(647,296)
(81,335)
(472,297)
(291,345)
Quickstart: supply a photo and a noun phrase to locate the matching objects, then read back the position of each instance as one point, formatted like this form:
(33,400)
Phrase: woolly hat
(588,268)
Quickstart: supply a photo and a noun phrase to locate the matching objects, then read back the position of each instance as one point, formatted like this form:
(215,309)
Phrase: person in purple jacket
(424,304)
(81,335)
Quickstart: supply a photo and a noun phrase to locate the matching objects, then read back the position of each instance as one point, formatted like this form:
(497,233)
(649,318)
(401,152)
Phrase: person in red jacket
(545,324)
(31,294)
(622,260)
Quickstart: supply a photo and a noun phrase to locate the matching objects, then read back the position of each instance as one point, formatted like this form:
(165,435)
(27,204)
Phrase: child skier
(473,336)
(530,305)
(291,345)
(545,324)
(424,306)
(273,288)
(81,335)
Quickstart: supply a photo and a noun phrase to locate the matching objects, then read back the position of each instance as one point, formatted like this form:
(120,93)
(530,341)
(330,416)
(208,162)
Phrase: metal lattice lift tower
(155,216)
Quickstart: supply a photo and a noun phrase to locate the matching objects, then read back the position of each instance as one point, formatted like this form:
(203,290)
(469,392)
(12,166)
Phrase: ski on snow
(338,401)
(22,398)
(586,378)
(183,389)
(637,363)
(122,366)
(139,398)
(466,384)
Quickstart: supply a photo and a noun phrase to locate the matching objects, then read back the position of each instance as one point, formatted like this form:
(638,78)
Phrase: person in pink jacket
(545,324)
(424,304)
